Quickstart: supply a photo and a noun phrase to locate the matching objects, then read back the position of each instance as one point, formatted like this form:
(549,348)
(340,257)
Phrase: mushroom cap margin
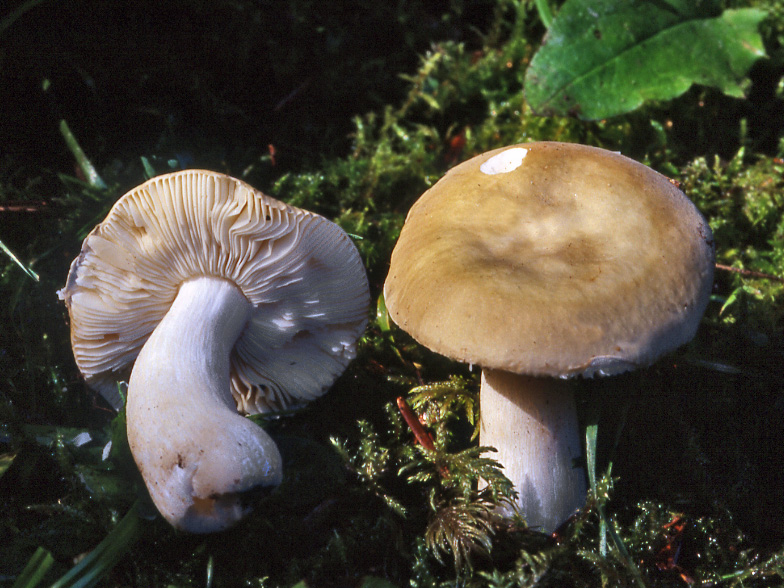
(563,260)
(301,272)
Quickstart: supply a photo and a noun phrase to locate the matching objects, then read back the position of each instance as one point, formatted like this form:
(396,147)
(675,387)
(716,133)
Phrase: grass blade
(104,557)
(14,15)
(84,162)
(35,569)
(16,260)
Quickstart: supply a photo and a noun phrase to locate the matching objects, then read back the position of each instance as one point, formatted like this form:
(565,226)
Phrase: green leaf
(382,314)
(602,58)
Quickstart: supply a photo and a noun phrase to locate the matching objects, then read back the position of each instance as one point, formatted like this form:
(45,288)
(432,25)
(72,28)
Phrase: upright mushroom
(541,262)
(232,301)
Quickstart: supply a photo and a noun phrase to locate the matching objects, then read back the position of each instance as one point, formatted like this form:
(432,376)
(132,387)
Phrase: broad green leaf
(602,58)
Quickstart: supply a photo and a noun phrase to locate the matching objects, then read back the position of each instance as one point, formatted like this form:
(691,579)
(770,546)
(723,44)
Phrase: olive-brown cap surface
(552,259)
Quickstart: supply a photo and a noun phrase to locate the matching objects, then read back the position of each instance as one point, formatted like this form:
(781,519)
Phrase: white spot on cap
(504,162)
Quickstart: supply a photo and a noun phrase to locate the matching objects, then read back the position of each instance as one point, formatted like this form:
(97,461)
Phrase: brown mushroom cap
(301,273)
(552,259)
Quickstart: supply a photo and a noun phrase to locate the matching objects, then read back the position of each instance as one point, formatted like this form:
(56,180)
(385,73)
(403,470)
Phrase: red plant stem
(19,206)
(424,438)
(749,273)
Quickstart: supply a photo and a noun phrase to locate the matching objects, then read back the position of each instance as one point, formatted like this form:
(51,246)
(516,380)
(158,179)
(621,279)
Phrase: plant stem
(84,162)
(749,273)
(545,14)
(16,260)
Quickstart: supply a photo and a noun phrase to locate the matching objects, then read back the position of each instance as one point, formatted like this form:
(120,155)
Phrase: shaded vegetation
(352,110)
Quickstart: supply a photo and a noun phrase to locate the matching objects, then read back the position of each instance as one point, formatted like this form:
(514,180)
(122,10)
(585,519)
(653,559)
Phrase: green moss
(693,443)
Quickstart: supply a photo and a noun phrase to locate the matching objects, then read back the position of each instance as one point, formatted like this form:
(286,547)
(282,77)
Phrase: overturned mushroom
(540,262)
(232,301)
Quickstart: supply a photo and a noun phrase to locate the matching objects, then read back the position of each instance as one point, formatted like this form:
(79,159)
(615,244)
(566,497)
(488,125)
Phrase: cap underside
(301,273)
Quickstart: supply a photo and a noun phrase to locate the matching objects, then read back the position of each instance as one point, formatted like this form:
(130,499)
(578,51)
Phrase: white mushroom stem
(533,424)
(196,453)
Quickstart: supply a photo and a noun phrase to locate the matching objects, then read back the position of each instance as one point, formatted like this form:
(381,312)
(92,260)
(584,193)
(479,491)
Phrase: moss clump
(356,125)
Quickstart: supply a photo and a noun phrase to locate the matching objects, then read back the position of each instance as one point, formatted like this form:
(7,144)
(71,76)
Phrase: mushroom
(217,300)
(541,262)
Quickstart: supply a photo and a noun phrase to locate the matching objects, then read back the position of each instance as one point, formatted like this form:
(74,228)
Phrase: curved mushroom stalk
(533,424)
(197,455)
